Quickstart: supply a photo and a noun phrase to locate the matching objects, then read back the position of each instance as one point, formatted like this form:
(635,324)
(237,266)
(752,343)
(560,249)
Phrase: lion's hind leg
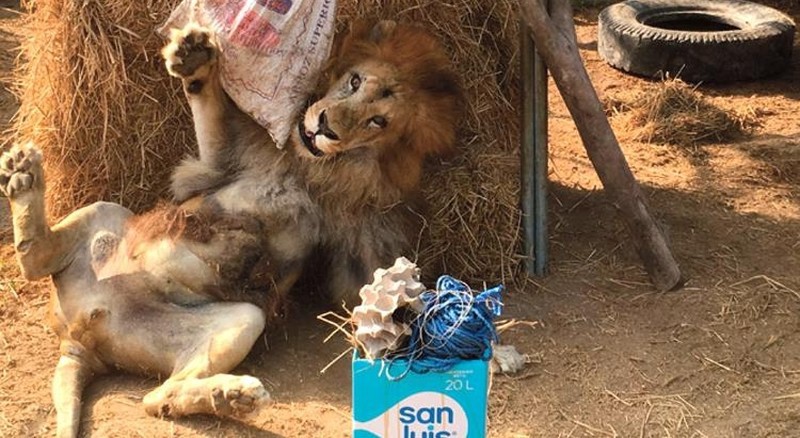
(220,394)
(22,181)
(198,385)
(40,251)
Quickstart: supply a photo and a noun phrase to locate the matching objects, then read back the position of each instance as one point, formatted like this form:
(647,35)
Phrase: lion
(185,290)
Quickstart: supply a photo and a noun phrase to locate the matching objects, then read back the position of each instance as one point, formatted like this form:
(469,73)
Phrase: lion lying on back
(186,290)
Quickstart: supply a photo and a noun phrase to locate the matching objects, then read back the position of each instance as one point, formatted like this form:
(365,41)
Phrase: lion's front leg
(193,56)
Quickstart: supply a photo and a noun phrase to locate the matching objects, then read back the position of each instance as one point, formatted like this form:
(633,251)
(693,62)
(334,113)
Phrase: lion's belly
(170,261)
(265,197)
(290,218)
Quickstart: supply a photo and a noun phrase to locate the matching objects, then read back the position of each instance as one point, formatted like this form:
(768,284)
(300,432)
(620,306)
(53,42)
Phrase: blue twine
(455,325)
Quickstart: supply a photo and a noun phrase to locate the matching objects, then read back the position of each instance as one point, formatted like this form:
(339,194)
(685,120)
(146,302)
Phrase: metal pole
(534,155)
(540,160)
(527,168)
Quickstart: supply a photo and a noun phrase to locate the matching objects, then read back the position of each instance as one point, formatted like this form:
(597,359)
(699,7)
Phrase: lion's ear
(382,30)
(363,30)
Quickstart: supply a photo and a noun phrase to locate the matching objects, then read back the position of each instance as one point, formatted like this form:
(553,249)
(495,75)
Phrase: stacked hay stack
(96,99)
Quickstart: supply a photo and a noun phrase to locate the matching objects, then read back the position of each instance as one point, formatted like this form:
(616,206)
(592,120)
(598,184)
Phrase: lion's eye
(355,82)
(377,122)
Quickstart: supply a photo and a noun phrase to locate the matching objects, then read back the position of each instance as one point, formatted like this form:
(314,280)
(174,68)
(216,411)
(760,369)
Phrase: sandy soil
(720,358)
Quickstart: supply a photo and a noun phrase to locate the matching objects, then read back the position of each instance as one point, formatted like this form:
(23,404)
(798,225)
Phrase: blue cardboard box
(450,404)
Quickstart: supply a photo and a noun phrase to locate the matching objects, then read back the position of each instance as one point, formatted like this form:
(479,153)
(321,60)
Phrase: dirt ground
(611,357)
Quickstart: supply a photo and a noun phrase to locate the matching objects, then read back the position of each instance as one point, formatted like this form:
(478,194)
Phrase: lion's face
(365,107)
(391,91)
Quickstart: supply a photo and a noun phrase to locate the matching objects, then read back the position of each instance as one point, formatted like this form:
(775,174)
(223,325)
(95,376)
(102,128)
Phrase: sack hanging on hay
(271,52)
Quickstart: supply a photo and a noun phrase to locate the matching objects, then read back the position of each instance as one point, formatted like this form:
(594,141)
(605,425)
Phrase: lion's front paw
(188,50)
(19,169)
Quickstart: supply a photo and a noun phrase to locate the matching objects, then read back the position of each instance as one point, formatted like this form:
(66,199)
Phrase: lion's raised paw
(20,166)
(189,49)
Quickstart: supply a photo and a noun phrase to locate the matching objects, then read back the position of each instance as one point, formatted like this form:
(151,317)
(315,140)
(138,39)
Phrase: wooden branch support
(556,42)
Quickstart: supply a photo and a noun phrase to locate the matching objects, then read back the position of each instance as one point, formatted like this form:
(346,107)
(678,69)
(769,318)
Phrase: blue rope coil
(455,325)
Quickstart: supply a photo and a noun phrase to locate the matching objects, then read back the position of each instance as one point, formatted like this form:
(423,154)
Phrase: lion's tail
(71,376)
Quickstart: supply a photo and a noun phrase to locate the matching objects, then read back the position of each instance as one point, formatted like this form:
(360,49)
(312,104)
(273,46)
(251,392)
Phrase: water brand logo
(422,415)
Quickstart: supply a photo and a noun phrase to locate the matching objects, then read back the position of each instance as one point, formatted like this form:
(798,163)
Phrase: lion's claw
(240,396)
(18,169)
(189,49)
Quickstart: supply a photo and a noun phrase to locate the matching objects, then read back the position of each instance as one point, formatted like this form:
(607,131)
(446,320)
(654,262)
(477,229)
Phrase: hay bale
(95,98)
(674,112)
(112,125)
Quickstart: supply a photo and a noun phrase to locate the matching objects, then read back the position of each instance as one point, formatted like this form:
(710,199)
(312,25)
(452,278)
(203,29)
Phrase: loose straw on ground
(673,112)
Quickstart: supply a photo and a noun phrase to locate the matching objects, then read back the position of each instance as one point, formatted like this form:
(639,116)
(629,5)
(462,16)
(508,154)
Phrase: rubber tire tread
(761,47)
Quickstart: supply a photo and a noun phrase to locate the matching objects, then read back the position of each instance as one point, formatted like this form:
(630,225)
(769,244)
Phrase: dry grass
(673,112)
(781,159)
(95,98)
(112,125)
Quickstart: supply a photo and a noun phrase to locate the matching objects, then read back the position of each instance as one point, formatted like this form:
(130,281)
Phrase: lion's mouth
(308,141)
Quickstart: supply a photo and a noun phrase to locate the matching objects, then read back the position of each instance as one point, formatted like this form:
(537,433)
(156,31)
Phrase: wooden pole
(556,42)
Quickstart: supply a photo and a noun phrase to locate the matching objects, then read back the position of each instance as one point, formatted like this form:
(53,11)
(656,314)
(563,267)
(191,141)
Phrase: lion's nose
(324,129)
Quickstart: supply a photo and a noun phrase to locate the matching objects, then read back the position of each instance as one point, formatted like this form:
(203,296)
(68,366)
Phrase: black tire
(747,40)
